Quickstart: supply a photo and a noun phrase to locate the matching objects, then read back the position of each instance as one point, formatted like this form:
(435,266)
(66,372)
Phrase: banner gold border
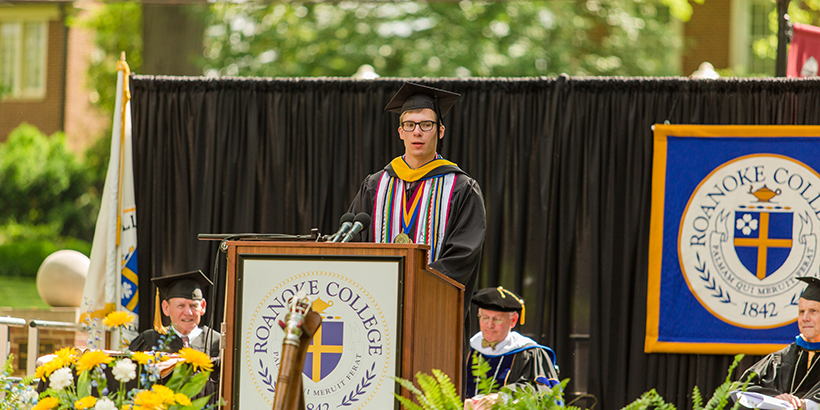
(661,132)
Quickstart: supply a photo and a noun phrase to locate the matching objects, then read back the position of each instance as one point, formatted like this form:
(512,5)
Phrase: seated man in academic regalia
(516,361)
(792,374)
(183,302)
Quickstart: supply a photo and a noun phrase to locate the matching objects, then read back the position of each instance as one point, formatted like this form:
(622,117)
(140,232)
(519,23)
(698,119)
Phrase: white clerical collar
(513,341)
(191,336)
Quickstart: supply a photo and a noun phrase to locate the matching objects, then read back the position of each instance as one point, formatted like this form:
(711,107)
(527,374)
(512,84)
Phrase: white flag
(112,278)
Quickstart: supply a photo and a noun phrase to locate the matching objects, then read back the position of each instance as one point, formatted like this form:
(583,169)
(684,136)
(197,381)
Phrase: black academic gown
(528,367)
(775,374)
(464,233)
(149,340)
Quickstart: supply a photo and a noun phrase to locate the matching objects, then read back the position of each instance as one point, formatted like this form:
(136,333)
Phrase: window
(23,59)
(751,49)
(760,32)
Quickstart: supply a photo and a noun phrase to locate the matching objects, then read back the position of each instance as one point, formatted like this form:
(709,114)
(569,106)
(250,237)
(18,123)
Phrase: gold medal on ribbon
(402,238)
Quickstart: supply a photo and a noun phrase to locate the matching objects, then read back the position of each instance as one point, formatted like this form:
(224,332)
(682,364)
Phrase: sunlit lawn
(20,293)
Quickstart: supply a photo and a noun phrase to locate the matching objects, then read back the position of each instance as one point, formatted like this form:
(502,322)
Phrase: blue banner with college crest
(735,219)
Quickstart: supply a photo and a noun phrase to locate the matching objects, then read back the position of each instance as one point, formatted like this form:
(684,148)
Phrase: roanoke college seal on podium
(748,230)
(352,357)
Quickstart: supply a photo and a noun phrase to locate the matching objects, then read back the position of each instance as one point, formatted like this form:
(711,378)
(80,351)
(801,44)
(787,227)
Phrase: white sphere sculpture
(61,278)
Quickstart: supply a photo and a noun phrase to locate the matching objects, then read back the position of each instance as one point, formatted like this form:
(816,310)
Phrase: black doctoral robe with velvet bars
(775,374)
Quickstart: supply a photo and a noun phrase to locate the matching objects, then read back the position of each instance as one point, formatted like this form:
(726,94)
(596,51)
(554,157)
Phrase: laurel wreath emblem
(267,377)
(361,388)
(724,297)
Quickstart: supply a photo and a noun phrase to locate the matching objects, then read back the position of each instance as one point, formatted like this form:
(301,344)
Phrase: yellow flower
(46,403)
(116,319)
(40,372)
(49,367)
(91,359)
(197,359)
(67,355)
(126,407)
(85,402)
(165,393)
(148,400)
(182,399)
(141,358)
(63,357)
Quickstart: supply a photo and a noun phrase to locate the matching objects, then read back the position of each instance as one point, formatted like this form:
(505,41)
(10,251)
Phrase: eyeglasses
(410,126)
(486,319)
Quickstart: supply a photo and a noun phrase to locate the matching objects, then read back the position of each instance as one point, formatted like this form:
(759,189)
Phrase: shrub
(43,183)
(24,247)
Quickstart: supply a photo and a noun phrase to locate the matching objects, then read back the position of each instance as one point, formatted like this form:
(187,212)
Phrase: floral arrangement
(79,380)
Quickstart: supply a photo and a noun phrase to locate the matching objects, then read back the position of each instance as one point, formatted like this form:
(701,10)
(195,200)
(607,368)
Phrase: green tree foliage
(44,184)
(442,39)
(118,27)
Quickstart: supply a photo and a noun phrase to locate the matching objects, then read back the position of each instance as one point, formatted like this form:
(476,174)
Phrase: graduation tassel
(158,317)
(505,292)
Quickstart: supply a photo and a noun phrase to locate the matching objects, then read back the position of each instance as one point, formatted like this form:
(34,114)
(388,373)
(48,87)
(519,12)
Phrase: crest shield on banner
(763,240)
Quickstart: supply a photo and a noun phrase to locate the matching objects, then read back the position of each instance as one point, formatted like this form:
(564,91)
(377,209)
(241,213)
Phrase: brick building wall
(84,123)
(66,105)
(707,35)
(46,113)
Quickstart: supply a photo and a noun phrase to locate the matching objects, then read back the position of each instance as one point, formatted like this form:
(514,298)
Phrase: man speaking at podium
(420,197)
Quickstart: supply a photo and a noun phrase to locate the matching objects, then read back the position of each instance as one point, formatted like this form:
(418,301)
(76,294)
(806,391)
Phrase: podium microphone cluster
(360,222)
(345,224)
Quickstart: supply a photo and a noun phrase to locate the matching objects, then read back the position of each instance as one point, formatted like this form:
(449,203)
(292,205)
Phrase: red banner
(804,53)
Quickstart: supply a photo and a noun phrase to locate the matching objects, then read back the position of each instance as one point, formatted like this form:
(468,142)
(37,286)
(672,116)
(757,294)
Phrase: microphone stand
(314,235)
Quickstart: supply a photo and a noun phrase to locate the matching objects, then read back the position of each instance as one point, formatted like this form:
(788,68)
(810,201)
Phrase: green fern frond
(407,403)
(416,393)
(481,369)
(448,389)
(433,393)
(697,399)
(556,395)
(431,389)
(650,400)
(8,367)
(724,391)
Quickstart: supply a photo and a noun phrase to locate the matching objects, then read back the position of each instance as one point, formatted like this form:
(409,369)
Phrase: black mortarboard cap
(413,96)
(812,292)
(499,300)
(188,285)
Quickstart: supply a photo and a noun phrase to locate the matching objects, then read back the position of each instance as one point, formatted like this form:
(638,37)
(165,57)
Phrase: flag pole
(783,37)
(116,335)
(126,96)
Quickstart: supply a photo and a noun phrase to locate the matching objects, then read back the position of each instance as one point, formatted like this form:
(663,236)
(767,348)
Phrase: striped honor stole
(428,213)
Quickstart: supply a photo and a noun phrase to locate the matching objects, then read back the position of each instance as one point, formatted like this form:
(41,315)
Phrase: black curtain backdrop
(565,165)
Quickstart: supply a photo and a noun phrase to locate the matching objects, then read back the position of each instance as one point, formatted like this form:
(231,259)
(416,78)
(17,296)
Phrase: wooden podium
(386,314)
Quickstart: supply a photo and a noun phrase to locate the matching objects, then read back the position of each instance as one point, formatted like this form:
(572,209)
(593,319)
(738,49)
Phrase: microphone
(345,223)
(362,221)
